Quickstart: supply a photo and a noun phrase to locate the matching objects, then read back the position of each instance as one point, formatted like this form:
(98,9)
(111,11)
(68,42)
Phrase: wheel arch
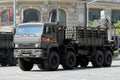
(71,49)
(56,49)
(53,47)
(104,48)
(109,48)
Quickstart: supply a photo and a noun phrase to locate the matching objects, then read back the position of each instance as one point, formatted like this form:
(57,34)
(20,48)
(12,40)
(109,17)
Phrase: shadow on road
(9,66)
(76,69)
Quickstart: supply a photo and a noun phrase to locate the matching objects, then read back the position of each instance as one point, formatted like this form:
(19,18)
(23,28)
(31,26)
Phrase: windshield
(29,29)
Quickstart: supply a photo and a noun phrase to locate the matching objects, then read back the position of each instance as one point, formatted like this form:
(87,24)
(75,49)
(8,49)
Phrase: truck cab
(32,38)
(36,42)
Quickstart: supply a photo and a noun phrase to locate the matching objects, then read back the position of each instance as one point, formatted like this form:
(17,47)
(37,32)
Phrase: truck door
(47,36)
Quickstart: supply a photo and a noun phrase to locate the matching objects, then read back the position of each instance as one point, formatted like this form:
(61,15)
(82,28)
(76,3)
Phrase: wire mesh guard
(87,36)
(6,39)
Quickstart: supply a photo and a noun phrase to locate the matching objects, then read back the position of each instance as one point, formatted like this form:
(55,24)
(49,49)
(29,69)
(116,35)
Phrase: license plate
(26,55)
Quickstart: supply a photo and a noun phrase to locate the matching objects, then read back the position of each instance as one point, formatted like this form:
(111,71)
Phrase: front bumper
(29,53)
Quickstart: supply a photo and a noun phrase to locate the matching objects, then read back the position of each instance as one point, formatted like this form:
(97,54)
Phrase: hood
(27,39)
(7,29)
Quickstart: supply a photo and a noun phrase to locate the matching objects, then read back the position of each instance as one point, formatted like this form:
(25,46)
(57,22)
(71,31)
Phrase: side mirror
(65,27)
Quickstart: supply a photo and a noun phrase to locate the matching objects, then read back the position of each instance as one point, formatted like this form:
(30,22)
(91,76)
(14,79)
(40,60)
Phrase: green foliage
(117,24)
(117,31)
(90,23)
(117,27)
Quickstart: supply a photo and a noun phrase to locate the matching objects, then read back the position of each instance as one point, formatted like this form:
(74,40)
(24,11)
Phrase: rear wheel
(4,62)
(69,60)
(25,65)
(52,62)
(97,59)
(107,59)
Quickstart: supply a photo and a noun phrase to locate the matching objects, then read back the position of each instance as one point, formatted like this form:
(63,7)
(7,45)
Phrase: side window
(47,30)
(53,28)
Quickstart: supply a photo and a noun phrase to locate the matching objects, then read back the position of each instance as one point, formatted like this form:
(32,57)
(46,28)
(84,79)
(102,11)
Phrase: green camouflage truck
(7,46)
(48,45)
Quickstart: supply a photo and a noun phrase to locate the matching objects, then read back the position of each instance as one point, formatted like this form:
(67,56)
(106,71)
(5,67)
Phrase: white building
(71,12)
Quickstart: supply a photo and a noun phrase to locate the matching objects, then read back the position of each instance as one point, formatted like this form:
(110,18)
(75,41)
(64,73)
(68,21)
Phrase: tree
(90,23)
(117,27)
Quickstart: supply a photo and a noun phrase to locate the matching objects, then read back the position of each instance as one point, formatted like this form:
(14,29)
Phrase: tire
(4,62)
(69,60)
(52,62)
(11,60)
(107,59)
(84,61)
(25,65)
(98,59)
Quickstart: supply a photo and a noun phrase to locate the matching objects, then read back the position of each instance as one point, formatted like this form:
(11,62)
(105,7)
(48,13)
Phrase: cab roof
(34,23)
(31,24)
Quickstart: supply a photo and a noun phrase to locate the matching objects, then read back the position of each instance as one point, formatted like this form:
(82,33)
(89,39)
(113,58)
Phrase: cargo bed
(90,36)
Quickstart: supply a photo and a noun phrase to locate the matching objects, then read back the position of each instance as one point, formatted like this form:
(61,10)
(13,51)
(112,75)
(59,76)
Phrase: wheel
(107,59)
(11,60)
(4,62)
(25,65)
(4,58)
(97,59)
(84,61)
(69,60)
(52,62)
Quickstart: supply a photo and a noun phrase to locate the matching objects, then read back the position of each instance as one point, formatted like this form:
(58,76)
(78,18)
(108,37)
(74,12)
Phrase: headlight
(36,45)
(16,45)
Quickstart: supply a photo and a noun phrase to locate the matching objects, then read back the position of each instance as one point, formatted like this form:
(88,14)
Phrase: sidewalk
(116,58)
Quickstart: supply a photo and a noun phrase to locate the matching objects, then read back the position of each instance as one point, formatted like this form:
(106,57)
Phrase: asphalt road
(90,73)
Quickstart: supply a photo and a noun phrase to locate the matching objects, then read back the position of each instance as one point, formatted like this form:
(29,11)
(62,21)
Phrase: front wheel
(25,65)
(69,60)
(52,62)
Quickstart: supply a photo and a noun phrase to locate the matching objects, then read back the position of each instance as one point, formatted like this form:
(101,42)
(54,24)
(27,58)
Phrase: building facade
(67,12)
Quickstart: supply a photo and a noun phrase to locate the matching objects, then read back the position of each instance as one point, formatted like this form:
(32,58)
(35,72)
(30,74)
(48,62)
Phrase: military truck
(48,45)
(7,46)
